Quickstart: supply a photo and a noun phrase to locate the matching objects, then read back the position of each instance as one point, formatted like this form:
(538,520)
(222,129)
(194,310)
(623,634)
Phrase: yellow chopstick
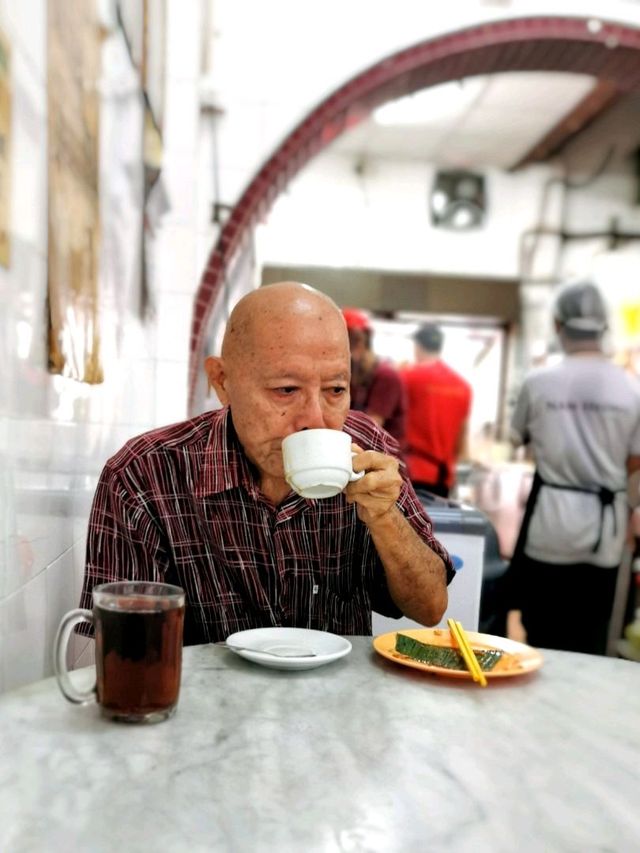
(465,650)
(476,663)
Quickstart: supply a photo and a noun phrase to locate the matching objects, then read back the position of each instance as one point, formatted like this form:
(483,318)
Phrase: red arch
(605,50)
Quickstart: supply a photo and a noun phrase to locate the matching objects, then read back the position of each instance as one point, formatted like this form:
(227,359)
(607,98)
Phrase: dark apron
(606,496)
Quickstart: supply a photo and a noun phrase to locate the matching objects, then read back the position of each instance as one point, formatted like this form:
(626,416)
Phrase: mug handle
(356,475)
(69,621)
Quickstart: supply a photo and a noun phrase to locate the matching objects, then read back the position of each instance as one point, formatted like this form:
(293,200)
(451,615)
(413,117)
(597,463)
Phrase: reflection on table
(362,754)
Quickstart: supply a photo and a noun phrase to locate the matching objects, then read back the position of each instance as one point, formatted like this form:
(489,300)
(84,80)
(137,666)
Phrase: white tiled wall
(56,434)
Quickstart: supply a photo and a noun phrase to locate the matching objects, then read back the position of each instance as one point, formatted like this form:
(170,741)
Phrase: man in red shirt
(438,406)
(376,387)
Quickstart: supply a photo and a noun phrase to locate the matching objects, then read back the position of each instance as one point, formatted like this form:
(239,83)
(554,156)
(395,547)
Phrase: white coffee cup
(317,462)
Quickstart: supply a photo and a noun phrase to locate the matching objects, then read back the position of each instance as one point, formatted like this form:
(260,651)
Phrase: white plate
(289,641)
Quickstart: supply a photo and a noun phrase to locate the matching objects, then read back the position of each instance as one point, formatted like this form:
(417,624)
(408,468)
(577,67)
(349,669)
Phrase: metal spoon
(275,654)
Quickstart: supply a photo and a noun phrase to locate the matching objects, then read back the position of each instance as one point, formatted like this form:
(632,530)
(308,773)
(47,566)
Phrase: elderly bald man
(204,503)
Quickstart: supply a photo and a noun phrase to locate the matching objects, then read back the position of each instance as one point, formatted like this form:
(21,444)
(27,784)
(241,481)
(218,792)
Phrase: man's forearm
(462,444)
(415,574)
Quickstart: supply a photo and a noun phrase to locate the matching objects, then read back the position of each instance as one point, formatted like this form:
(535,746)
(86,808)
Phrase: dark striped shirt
(182,505)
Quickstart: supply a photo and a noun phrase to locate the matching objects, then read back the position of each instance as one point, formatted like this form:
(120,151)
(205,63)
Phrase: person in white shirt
(581,418)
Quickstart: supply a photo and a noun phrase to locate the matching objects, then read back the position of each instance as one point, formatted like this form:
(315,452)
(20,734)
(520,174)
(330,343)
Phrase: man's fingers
(372,460)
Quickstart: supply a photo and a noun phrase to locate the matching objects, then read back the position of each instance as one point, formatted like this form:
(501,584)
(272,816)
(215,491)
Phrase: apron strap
(536,485)
(511,592)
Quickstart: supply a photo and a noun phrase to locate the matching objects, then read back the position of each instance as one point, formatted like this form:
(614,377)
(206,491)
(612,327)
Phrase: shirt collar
(225,464)
(226,467)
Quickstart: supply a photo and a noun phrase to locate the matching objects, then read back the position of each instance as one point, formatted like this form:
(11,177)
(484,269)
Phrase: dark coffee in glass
(138,657)
(138,645)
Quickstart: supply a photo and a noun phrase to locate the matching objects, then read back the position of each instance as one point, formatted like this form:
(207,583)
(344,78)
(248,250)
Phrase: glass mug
(138,647)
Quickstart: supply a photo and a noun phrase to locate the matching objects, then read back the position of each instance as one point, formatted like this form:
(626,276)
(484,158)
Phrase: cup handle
(356,475)
(69,621)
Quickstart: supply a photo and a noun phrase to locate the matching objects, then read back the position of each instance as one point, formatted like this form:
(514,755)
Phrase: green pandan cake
(444,656)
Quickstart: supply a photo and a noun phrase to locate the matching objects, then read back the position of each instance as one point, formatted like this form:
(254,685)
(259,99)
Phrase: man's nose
(311,414)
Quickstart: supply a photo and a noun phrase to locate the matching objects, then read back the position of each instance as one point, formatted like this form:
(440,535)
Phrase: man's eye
(287,390)
(338,390)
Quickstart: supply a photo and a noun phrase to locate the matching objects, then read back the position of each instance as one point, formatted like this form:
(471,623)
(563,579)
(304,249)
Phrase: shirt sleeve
(520,418)
(635,436)
(417,517)
(123,540)
(386,394)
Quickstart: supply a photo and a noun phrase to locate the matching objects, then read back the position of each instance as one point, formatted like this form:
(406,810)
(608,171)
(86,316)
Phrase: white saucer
(327,647)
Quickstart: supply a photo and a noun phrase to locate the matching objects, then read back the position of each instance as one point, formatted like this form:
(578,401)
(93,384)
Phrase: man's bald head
(273,309)
(285,366)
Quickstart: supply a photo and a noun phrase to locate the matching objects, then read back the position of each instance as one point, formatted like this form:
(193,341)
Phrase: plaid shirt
(182,505)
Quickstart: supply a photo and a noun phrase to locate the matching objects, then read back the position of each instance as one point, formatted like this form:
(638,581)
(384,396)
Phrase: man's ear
(216,374)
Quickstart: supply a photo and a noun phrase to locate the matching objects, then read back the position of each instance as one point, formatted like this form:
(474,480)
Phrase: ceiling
(489,120)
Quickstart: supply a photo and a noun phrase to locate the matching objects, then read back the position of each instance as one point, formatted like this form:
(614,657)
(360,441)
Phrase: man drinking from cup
(206,505)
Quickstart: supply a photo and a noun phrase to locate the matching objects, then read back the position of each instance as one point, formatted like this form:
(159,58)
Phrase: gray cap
(581,311)
(429,336)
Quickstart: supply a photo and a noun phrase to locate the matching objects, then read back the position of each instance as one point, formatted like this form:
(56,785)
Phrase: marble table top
(359,755)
